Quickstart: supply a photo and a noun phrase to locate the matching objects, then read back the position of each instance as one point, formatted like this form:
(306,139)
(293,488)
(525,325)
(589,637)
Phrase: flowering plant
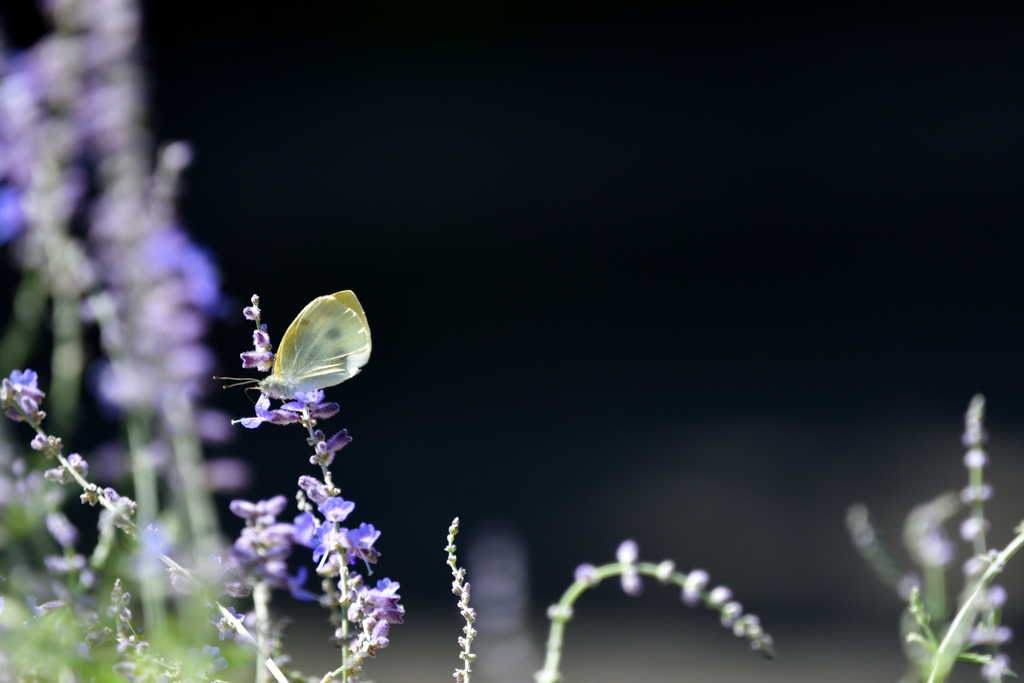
(933,639)
(87,212)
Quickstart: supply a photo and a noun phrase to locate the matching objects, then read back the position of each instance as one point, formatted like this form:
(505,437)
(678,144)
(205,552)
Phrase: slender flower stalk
(461,589)
(948,649)
(694,592)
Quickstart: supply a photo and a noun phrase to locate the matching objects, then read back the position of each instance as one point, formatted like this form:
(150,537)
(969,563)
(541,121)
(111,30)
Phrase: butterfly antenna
(238,381)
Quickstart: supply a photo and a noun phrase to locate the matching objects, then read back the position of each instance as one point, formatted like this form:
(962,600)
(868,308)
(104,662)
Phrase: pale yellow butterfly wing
(325,345)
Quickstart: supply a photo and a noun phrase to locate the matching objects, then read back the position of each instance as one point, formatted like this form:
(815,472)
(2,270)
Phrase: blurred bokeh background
(700,276)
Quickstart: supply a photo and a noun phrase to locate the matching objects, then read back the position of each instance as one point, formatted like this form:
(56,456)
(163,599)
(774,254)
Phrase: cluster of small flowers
(262,549)
(261,357)
(933,550)
(988,632)
(461,588)
(361,614)
(694,593)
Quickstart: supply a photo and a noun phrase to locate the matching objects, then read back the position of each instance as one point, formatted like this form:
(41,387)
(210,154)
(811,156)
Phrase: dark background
(700,276)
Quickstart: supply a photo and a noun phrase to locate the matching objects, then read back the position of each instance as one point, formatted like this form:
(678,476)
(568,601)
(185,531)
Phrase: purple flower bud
(78,464)
(587,573)
(338,441)
(631,583)
(627,552)
(379,635)
(324,411)
(973,527)
(996,596)
(696,581)
(261,340)
(719,596)
(975,459)
(970,494)
(996,669)
(242,508)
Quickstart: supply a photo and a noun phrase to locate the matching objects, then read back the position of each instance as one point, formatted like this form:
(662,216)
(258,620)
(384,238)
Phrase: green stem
(67,361)
(104,501)
(261,603)
(146,495)
(562,612)
(26,320)
(233,620)
(944,658)
(935,592)
(344,623)
(977,480)
(188,456)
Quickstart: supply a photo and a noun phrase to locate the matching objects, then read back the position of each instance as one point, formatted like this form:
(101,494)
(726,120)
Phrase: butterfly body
(328,342)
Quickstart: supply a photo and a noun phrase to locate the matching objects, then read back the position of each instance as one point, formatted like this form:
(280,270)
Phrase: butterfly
(328,342)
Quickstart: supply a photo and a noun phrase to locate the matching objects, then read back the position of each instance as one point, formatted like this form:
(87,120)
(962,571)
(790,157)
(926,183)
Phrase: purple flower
(313,402)
(294,584)
(21,390)
(260,339)
(358,543)
(306,530)
(338,441)
(217,663)
(291,411)
(265,414)
(383,601)
(379,635)
(265,511)
(264,545)
(336,509)
(224,627)
(262,360)
(170,251)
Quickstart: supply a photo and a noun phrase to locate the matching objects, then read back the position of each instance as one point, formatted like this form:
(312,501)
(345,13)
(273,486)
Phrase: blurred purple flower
(61,529)
(12,218)
(227,475)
